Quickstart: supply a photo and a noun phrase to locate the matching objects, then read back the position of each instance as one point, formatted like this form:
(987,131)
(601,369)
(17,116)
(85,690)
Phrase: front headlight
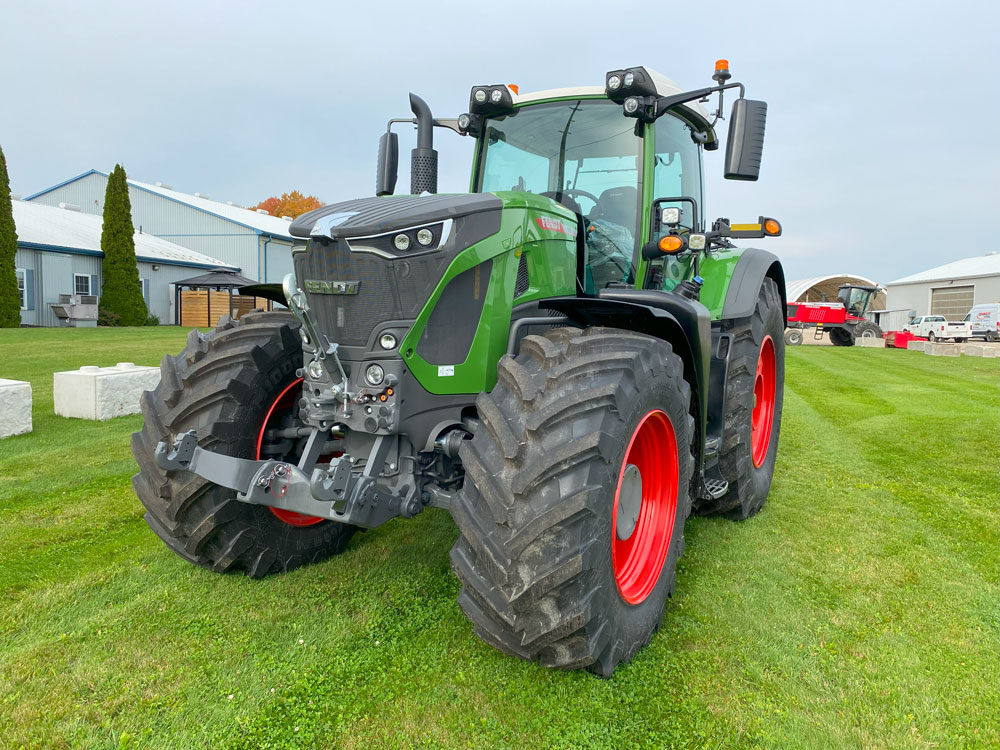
(375,374)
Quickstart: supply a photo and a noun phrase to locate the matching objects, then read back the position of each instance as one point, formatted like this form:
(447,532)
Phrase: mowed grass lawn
(859,609)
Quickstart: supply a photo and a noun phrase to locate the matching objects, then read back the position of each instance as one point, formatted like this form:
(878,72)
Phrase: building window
(144,285)
(81,283)
(21,288)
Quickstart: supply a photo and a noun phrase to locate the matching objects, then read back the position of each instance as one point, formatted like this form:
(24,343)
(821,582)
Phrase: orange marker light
(772,227)
(389,391)
(671,243)
(382,397)
(722,64)
(513,87)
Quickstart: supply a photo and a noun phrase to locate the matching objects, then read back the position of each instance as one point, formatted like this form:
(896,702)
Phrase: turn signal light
(771,226)
(671,244)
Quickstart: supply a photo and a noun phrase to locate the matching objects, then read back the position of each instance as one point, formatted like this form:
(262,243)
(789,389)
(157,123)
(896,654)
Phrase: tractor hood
(365,217)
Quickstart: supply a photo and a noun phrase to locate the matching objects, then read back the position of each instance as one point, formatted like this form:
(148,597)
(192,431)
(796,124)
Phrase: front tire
(755,388)
(793,337)
(841,337)
(226,384)
(586,439)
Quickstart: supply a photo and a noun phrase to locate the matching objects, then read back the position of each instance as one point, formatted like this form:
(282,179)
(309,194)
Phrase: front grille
(388,289)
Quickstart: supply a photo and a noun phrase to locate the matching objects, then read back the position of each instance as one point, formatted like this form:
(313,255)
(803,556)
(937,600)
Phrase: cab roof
(664,87)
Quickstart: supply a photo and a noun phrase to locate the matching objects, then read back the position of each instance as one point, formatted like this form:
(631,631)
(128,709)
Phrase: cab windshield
(584,154)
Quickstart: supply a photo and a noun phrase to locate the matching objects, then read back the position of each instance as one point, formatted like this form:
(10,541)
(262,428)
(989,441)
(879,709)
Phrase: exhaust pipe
(423,159)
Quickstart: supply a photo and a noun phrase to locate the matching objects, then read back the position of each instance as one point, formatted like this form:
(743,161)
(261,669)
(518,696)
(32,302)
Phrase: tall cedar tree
(121,293)
(10,300)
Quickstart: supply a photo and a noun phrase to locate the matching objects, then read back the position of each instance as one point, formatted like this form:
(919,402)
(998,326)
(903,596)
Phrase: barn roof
(264,223)
(43,227)
(983,265)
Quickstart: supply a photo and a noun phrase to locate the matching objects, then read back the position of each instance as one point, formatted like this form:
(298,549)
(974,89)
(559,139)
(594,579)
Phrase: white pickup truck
(935,327)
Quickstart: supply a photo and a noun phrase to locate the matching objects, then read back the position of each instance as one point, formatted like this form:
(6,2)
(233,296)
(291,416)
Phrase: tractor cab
(856,299)
(575,147)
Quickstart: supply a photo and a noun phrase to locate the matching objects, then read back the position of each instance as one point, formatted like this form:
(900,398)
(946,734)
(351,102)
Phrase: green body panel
(550,255)
(717,271)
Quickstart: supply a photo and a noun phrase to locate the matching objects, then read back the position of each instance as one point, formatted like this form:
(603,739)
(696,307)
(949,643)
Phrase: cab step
(713,489)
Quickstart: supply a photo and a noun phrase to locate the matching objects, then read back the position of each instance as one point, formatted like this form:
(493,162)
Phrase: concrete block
(981,350)
(15,407)
(917,346)
(943,350)
(870,343)
(102,392)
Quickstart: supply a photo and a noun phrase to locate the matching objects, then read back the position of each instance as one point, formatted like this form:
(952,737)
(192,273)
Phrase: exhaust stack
(423,159)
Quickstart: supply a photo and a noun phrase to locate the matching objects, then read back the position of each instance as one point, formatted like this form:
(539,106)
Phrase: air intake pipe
(423,159)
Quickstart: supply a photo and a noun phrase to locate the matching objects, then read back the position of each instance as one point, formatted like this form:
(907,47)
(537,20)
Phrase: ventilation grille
(522,283)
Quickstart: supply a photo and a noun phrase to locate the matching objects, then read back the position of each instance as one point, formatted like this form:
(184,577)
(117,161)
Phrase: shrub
(107,318)
(152,320)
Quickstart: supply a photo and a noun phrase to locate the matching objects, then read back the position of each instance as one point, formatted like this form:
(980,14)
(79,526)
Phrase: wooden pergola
(218,280)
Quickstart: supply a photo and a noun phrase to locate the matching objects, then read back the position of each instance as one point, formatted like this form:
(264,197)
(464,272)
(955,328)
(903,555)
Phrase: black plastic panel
(448,336)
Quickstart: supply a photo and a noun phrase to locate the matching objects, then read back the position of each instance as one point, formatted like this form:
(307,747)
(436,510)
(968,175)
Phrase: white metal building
(257,243)
(59,252)
(950,290)
(824,288)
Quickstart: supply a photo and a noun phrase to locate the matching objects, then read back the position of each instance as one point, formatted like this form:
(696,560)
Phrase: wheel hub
(629,502)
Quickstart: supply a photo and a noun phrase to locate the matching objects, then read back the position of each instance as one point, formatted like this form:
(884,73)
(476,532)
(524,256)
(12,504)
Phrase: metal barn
(950,290)
(59,253)
(257,243)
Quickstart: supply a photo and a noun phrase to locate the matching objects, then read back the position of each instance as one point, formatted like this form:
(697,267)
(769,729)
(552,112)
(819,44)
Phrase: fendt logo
(554,225)
(332,287)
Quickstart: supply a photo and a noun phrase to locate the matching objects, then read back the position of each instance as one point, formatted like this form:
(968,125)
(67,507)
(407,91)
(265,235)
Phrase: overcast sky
(881,156)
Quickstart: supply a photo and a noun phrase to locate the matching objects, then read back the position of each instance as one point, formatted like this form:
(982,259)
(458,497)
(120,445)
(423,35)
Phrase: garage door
(954,302)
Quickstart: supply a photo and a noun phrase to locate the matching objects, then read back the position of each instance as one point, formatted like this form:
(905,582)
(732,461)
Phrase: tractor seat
(617,205)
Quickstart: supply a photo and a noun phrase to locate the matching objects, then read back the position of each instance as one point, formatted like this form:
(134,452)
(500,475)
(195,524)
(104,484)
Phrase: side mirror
(745,144)
(388,164)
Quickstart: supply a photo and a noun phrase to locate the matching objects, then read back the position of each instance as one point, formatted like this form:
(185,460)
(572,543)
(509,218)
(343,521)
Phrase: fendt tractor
(566,358)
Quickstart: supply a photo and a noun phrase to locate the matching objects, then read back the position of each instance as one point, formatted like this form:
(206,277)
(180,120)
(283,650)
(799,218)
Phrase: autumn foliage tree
(10,298)
(289,204)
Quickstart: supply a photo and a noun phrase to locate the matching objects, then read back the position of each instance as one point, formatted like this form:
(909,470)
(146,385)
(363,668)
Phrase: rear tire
(867,330)
(793,337)
(223,385)
(544,575)
(931,337)
(747,456)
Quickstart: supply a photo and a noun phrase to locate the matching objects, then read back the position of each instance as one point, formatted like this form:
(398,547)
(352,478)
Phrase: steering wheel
(571,193)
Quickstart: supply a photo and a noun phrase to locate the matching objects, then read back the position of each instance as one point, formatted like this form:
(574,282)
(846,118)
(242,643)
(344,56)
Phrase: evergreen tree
(121,293)
(10,300)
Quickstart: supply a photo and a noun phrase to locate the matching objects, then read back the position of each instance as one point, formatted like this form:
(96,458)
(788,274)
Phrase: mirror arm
(663,103)
(451,123)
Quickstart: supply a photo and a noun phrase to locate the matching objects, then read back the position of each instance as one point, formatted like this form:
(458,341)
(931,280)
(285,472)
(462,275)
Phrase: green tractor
(567,359)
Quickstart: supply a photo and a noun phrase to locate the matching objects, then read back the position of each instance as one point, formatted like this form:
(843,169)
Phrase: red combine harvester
(844,319)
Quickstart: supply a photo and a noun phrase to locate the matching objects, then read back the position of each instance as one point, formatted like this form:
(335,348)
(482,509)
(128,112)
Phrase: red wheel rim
(763,403)
(282,403)
(638,559)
